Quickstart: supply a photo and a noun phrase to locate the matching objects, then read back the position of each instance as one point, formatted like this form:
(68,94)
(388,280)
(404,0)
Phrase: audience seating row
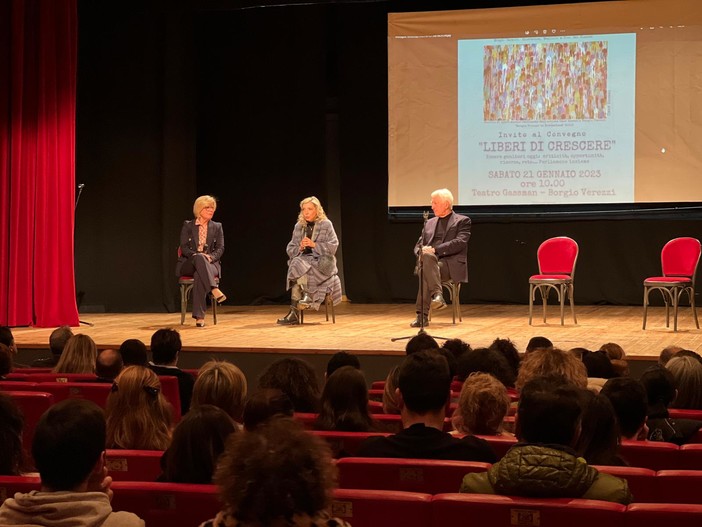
(184,505)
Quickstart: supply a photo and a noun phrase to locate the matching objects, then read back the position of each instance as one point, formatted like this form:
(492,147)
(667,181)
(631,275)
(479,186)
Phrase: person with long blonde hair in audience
(79,355)
(138,415)
(482,407)
(279,475)
(543,361)
(221,384)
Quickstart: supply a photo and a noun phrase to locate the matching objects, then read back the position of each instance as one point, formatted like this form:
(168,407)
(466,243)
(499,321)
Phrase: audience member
(536,343)
(344,403)
(279,475)
(687,372)
(165,347)
(134,353)
(659,384)
(390,404)
(628,398)
(108,365)
(341,359)
(543,464)
(450,360)
(79,355)
(221,384)
(681,353)
(266,404)
(457,347)
(8,339)
(297,379)
(12,462)
(138,415)
(422,393)
(482,406)
(668,353)
(5,361)
(598,442)
(545,361)
(617,356)
(484,360)
(198,441)
(57,341)
(509,351)
(599,369)
(421,342)
(69,451)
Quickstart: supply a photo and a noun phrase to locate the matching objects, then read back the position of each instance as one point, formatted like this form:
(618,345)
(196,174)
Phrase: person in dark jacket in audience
(57,341)
(165,347)
(628,398)
(423,390)
(543,464)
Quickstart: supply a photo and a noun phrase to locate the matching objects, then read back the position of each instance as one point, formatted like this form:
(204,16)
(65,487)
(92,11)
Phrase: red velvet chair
(171,504)
(92,391)
(651,454)
(657,514)
(62,377)
(685,413)
(171,391)
(500,444)
(679,486)
(486,509)
(557,258)
(679,259)
(642,481)
(382,508)
(33,406)
(410,475)
(134,465)
(16,386)
(10,485)
(690,457)
(377,385)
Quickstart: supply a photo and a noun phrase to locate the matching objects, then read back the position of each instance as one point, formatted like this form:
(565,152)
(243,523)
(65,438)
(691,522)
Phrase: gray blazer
(189,237)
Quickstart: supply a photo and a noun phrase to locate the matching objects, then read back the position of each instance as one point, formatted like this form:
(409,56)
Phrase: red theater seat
(658,514)
(650,454)
(10,485)
(33,406)
(685,413)
(410,475)
(500,444)
(16,386)
(468,510)
(62,377)
(382,508)
(642,481)
(690,457)
(134,465)
(171,504)
(92,391)
(679,486)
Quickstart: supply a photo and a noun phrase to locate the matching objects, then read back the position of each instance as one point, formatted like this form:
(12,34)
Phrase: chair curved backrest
(557,256)
(680,257)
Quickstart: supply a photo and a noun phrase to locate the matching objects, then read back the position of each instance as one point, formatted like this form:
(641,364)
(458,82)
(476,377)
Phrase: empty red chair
(134,465)
(679,486)
(33,406)
(679,259)
(487,509)
(657,514)
(557,258)
(642,481)
(381,508)
(410,475)
(172,504)
(14,376)
(650,454)
(690,457)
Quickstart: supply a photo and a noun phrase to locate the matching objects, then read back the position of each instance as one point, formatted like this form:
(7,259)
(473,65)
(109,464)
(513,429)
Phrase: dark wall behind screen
(175,100)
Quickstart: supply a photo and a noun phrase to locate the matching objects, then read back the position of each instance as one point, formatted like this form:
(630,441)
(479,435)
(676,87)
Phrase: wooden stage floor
(366,329)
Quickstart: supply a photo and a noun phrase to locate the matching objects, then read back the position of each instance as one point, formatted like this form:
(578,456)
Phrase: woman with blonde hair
(552,360)
(482,406)
(138,415)
(221,384)
(200,252)
(687,372)
(79,356)
(312,272)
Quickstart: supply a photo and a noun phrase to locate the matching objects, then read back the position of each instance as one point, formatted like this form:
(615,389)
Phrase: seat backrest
(411,475)
(9,485)
(657,514)
(172,504)
(651,454)
(92,391)
(62,377)
(345,442)
(557,256)
(382,507)
(171,391)
(15,386)
(487,509)
(679,486)
(500,444)
(680,257)
(685,413)
(33,406)
(691,456)
(642,481)
(134,465)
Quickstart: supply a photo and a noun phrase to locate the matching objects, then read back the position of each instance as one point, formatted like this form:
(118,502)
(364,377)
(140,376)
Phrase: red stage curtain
(38,59)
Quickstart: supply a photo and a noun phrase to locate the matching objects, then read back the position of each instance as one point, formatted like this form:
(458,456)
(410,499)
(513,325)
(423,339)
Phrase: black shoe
(437,302)
(416,323)
(305,302)
(290,319)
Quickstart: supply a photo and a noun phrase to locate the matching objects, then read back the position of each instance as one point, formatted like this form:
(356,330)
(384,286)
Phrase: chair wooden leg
(645,306)
(544,298)
(691,296)
(531,301)
(561,297)
(331,304)
(675,293)
(572,303)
